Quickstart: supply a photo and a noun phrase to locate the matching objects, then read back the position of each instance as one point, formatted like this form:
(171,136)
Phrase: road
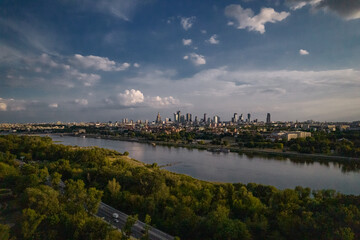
(106,212)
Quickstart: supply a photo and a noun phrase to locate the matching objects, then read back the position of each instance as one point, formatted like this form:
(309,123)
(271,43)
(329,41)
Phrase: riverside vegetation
(177,204)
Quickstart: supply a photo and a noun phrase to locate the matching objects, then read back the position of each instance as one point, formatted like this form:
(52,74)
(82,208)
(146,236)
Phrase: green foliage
(147,227)
(43,199)
(113,187)
(177,204)
(4,232)
(30,222)
(126,230)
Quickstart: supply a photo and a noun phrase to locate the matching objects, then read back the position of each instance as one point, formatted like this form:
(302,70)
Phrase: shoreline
(272,152)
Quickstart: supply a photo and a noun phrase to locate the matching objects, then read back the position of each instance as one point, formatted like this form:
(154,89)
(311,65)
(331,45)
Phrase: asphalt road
(106,212)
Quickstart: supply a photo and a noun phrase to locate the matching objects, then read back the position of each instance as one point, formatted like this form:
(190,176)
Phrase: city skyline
(107,60)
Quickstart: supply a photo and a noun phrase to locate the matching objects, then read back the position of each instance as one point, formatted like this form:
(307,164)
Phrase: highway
(106,212)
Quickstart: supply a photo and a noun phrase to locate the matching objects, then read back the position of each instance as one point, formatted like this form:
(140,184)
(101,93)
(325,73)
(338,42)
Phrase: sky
(104,60)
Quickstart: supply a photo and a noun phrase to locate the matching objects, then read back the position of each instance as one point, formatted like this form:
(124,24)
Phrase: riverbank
(271,152)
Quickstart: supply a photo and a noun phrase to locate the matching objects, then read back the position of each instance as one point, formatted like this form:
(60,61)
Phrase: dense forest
(177,204)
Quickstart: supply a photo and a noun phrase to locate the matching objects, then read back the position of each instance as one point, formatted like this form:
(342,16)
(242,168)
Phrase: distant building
(235,118)
(158,118)
(204,117)
(289,135)
(182,118)
(298,134)
(268,118)
(249,117)
(216,119)
(188,117)
(241,119)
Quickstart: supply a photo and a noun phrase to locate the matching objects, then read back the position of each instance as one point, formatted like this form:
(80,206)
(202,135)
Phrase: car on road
(115,215)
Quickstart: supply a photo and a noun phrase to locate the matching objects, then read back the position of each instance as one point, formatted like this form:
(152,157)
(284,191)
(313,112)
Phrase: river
(233,167)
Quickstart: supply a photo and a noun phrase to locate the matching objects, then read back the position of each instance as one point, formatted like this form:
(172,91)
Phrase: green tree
(114,187)
(93,200)
(4,232)
(344,234)
(30,222)
(55,180)
(43,199)
(126,230)
(147,227)
(75,194)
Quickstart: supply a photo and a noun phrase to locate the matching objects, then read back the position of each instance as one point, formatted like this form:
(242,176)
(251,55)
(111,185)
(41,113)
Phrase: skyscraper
(204,117)
(235,118)
(249,117)
(176,118)
(188,117)
(268,118)
(158,118)
(241,118)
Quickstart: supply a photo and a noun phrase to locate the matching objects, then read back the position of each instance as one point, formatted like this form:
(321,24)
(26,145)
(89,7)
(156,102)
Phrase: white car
(115,215)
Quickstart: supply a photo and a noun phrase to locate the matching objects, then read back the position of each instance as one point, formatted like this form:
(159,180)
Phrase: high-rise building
(235,118)
(178,116)
(176,119)
(268,118)
(204,117)
(241,118)
(196,119)
(188,117)
(182,118)
(216,119)
(158,118)
(249,117)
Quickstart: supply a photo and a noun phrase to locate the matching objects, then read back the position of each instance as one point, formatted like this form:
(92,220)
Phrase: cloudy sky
(87,60)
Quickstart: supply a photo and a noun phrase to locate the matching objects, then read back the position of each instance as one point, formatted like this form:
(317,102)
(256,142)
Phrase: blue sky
(86,60)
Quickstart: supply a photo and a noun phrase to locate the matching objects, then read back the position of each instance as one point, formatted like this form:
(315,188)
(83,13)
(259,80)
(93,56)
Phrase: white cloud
(11,104)
(122,9)
(187,23)
(230,23)
(213,39)
(349,9)
(53,105)
(98,63)
(87,79)
(187,42)
(247,20)
(3,106)
(130,97)
(159,102)
(298,5)
(136,65)
(303,52)
(195,58)
(203,31)
(82,102)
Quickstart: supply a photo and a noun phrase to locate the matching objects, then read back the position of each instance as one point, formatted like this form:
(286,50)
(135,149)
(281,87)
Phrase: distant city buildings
(268,118)
(158,118)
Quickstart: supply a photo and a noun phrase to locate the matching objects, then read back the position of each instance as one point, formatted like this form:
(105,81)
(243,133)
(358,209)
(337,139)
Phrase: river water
(233,167)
